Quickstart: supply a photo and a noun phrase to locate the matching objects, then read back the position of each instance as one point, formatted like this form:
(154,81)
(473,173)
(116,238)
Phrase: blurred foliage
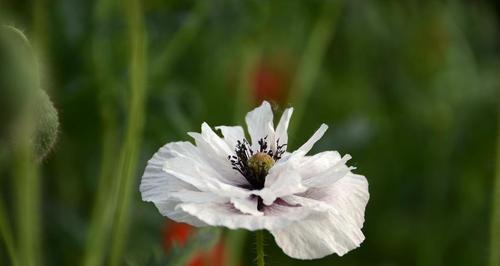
(409,89)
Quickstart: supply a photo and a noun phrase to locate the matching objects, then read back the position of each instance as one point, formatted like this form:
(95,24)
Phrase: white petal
(268,196)
(323,169)
(310,166)
(282,128)
(196,196)
(183,162)
(247,205)
(282,180)
(157,187)
(169,209)
(306,147)
(260,123)
(156,183)
(214,142)
(216,214)
(348,196)
(317,238)
(201,177)
(338,230)
(320,206)
(215,151)
(232,134)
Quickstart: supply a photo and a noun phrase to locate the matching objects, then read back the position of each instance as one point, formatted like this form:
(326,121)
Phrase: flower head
(313,205)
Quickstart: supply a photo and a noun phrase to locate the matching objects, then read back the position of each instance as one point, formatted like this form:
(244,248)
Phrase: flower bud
(47,125)
(21,95)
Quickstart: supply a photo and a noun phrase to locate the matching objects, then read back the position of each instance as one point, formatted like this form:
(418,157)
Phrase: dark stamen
(243,153)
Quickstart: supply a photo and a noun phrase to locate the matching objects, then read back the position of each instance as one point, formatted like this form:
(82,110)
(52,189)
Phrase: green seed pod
(21,95)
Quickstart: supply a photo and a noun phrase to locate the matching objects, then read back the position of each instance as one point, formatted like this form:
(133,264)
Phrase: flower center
(260,163)
(254,166)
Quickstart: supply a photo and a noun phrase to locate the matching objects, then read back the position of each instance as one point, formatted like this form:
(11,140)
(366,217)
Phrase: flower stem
(129,156)
(6,235)
(104,204)
(259,245)
(495,209)
(312,59)
(25,171)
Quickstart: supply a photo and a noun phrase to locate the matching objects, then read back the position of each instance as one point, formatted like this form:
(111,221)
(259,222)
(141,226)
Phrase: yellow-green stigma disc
(261,162)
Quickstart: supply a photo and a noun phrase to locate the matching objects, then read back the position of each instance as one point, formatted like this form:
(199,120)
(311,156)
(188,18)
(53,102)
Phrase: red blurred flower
(176,232)
(179,233)
(270,80)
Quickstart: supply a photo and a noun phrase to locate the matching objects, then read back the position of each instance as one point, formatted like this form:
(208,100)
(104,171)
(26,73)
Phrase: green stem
(28,197)
(129,154)
(250,57)
(108,189)
(311,60)
(163,62)
(40,24)
(495,216)
(27,182)
(259,245)
(104,205)
(6,233)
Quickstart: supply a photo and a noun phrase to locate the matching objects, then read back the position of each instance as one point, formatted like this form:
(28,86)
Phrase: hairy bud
(21,94)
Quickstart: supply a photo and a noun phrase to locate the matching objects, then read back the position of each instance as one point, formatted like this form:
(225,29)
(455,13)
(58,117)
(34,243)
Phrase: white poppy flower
(312,205)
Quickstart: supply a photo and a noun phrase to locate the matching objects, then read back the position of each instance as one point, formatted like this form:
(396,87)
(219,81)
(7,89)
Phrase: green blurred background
(408,88)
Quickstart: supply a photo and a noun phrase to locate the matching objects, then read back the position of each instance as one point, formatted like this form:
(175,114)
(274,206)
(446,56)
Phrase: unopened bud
(21,94)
